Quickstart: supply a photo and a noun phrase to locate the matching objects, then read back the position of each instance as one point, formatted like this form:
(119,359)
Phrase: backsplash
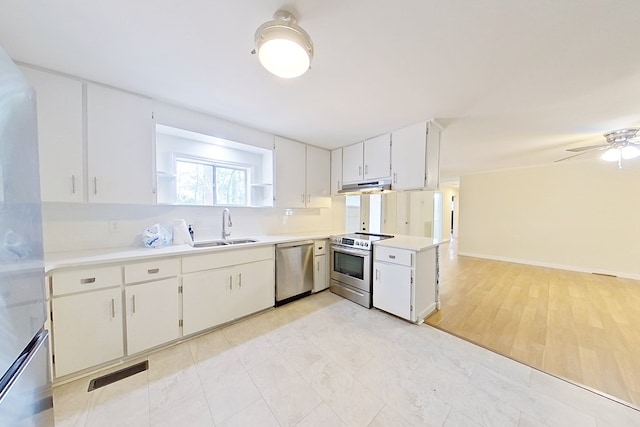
(70,227)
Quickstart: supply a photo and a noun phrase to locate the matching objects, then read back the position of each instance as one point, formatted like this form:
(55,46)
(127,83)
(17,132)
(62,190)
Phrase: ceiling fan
(622,144)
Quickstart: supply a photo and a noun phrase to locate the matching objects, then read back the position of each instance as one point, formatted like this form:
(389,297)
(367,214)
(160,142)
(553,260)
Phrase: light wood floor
(580,326)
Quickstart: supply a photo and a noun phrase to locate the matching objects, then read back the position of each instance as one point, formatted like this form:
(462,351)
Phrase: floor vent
(118,375)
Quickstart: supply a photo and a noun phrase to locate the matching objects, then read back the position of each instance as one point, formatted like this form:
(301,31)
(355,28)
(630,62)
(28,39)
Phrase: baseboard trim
(625,275)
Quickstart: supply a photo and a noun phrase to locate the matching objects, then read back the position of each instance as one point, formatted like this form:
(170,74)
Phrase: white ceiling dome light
(283,48)
(623,145)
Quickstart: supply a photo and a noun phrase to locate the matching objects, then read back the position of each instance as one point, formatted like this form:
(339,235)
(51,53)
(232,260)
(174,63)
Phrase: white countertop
(56,260)
(413,243)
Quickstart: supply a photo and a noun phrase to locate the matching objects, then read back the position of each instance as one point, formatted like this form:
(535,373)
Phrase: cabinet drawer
(226,258)
(85,279)
(319,247)
(151,270)
(394,255)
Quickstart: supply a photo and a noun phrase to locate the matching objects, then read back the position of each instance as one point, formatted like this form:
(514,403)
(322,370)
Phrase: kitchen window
(200,182)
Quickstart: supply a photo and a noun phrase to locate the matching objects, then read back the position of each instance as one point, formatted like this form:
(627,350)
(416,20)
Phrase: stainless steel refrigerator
(25,388)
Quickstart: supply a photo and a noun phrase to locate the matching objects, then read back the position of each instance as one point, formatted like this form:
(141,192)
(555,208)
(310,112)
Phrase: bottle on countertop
(191,232)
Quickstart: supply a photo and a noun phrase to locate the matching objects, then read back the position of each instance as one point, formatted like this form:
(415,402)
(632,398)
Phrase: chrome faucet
(226,223)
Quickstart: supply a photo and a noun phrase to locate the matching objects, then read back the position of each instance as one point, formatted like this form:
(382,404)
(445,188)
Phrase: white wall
(70,227)
(582,215)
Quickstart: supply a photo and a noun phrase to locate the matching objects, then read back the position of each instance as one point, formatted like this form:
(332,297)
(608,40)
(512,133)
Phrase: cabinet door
(290,159)
(87,330)
(352,170)
(433,157)
(377,157)
(253,287)
(206,299)
(59,104)
(320,273)
(336,171)
(408,154)
(152,314)
(120,147)
(318,177)
(392,289)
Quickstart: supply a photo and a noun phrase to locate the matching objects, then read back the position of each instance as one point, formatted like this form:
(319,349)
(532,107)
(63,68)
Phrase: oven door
(351,266)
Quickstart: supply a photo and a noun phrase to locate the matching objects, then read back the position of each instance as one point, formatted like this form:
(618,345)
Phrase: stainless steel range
(352,264)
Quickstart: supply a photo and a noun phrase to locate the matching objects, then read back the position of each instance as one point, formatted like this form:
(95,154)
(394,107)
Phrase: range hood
(367,187)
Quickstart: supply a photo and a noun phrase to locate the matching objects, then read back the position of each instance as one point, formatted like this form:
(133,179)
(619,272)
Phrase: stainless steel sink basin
(240,241)
(214,243)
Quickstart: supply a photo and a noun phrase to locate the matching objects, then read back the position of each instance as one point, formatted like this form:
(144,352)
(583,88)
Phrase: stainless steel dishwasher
(294,270)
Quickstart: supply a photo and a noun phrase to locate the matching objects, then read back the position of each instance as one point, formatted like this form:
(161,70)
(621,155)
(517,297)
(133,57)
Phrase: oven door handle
(361,252)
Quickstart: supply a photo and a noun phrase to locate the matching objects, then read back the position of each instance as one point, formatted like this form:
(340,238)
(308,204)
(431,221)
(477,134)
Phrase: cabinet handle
(87,281)
(366,169)
(395,177)
(309,198)
(240,279)
(153,270)
(377,274)
(359,170)
(133,304)
(302,198)
(230,282)
(318,266)
(73,184)
(392,256)
(113,308)
(95,185)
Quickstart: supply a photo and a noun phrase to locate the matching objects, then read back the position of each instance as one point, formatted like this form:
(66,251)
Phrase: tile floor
(325,361)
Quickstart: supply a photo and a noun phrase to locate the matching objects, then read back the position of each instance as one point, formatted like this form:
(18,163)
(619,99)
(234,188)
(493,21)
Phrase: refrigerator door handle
(14,372)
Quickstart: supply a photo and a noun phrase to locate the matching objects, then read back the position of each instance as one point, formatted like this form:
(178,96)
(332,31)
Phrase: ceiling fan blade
(587,148)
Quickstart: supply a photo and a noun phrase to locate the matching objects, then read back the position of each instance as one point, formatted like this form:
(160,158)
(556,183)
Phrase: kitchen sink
(214,243)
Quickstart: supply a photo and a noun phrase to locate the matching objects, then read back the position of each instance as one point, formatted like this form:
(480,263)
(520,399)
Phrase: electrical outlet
(113,226)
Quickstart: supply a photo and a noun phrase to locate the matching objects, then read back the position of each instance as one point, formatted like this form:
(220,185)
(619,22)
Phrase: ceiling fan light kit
(622,144)
(284,48)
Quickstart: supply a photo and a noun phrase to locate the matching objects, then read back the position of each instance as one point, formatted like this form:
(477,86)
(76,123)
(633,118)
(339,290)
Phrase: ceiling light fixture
(283,48)
(623,145)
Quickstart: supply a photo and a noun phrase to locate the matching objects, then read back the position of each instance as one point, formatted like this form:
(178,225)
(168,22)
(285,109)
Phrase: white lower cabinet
(405,282)
(393,289)
(213,297)
(87,330)
(205,299)
(152,314)
(320,267)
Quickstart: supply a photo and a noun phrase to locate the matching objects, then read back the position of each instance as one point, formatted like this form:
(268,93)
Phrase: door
(336,171)
(120,147)
(352,170)
(408,153)
(320,279)
(290,159)
(318,172)
(206,299)
(392,289)
(253,287)
(152,314)
(377,157)
(59,106)
(87,330)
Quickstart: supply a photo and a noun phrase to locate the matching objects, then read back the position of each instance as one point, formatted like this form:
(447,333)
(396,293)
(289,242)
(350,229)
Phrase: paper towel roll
(181,234)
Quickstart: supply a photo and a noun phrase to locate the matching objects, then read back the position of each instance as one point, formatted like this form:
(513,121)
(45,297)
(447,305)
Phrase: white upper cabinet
(290,160)
(336,171)
(120,147)
(302,175)
(318,177)
(59,104)
(377,157)
(415,154)
(368,160)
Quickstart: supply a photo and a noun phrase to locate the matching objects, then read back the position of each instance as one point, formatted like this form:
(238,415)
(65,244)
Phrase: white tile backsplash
(70,227)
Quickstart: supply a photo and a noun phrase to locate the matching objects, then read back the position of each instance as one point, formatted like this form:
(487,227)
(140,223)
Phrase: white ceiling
(516,82)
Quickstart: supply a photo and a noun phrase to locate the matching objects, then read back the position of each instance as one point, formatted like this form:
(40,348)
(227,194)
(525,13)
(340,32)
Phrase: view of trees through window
(201,183)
